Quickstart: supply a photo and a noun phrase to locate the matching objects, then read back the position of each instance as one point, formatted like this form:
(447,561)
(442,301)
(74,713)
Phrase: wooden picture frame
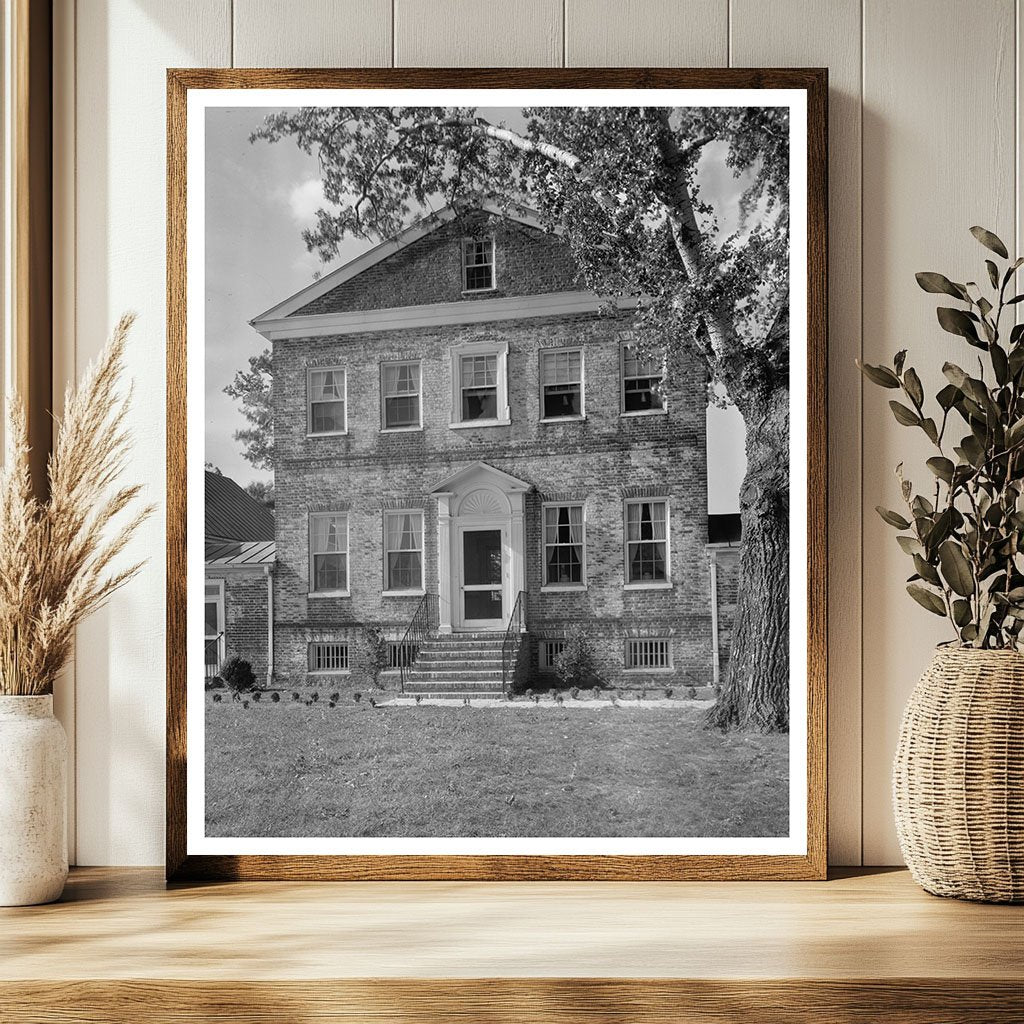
(182,864)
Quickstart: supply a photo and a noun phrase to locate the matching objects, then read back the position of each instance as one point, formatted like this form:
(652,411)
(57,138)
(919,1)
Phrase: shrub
(217,698)
(373,655)
(669,691)
(357,697)
(295,696)
(575,693)
(335,697)
(256,695)
(574,664)
(597,692)
(314,697)
(693,691)
(275,697)
(245,704)
(238,675)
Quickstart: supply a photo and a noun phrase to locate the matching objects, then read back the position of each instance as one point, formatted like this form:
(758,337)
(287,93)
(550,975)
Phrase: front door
(481,598)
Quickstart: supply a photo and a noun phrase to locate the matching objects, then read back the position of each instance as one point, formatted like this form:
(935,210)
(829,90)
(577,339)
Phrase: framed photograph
(496,474)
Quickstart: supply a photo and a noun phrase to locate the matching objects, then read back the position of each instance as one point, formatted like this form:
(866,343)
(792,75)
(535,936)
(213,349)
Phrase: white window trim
(583,385)
(310,554)
(310,432)
(420,591)
(665,584)
(561,588)
(384,428)
(494,266)
(222,617)
(647,669)
(329,671)
(480,348)
(663,411)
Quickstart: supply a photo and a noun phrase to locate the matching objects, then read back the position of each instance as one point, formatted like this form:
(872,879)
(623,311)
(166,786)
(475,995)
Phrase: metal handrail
(423,623)
(516,626)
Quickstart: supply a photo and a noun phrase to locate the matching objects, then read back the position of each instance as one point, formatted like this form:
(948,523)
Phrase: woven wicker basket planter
(958,777)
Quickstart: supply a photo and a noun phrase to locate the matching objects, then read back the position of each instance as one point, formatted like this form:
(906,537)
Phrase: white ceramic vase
(33,802)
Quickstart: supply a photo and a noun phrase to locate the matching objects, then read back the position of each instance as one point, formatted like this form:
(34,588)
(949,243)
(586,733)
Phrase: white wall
(924,143)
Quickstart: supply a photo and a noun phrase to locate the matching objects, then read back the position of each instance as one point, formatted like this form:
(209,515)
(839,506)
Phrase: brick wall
(602,460)
(245,618)
(527,262)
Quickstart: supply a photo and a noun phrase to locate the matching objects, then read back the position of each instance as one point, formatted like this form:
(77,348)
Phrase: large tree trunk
(756,692)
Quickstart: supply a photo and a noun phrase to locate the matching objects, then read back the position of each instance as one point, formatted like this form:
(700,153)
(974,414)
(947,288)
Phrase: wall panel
(312,33)
(122,52)
(468,33)
(646,33)
(789,33)
(939,156)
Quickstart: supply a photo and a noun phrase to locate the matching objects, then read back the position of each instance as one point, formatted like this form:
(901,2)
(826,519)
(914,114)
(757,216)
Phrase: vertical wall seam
(728,33)
(565,33)
(231,33)
(860,420)
(394,33)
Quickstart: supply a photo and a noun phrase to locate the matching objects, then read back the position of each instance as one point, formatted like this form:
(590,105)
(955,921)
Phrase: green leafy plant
(964,531)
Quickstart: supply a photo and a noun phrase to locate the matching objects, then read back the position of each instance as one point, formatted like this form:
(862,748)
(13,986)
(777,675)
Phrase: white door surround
(479,497)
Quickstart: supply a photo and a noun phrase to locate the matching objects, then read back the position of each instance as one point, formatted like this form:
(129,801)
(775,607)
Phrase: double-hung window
(479,385)
(328,553)
(478,264)
(400,384)
(325,399)
(564,546)
(647,556)
(561,384)
(642,379)
(403,551)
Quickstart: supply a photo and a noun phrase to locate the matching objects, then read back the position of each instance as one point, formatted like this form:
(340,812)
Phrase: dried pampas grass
(56,556)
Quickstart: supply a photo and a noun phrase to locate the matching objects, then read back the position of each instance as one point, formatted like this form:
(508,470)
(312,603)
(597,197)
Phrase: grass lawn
(296,770)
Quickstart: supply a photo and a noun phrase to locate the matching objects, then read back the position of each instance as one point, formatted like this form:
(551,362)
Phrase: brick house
(459,422)
(239,563)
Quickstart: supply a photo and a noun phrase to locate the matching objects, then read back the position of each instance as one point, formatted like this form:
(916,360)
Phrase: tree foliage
(964,531)
(254,388)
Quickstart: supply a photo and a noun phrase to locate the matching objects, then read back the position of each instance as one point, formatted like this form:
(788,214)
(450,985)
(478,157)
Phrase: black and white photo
(501,482)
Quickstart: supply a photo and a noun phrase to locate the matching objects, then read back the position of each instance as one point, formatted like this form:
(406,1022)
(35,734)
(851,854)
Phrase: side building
(239,563)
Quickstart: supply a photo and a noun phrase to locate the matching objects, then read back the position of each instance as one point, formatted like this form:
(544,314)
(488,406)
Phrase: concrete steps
(458,665)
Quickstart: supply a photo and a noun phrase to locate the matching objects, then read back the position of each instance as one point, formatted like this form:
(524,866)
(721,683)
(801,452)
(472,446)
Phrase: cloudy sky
(259,197)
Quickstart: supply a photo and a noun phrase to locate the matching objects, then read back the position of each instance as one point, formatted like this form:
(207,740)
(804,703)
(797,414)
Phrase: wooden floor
(865,947)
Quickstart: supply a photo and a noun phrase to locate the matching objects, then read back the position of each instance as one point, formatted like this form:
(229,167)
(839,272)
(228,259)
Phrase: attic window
(478,264)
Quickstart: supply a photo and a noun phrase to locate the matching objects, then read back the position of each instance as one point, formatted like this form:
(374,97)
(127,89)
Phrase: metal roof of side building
(238,554)
(234,515)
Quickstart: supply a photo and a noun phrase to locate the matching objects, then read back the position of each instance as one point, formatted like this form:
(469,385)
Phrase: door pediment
(481,476)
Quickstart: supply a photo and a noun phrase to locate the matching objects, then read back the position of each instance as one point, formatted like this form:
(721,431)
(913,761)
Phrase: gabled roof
(234,515)
(413,233)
